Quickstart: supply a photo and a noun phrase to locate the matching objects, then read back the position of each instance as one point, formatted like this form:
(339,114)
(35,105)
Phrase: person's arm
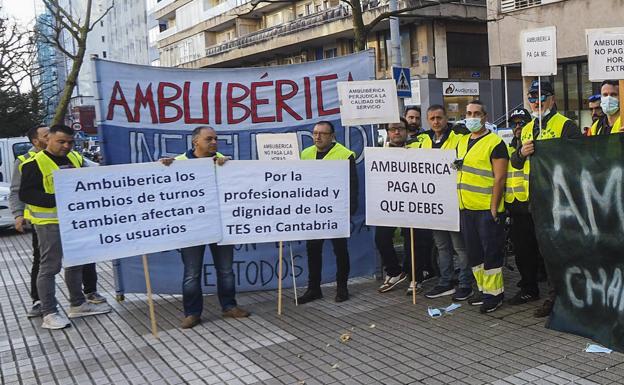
(571,130)
(499,167)
(17,206)
(353,185)
(499,159)
(31,190)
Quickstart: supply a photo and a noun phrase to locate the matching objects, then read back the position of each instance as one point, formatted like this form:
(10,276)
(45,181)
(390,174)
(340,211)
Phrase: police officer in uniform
(326,148)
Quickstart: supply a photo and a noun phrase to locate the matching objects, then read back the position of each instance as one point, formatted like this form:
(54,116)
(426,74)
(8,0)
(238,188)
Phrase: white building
(128,33)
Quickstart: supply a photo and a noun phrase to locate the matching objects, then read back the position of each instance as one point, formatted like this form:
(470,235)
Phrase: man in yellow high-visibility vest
(482,163)
(610,104)
(554,125)
(37,191)
(522,227)
(326,148)
(204,142)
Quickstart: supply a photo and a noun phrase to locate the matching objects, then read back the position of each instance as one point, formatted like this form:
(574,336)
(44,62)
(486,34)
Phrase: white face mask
(609,104)
(536,114)
(473,124)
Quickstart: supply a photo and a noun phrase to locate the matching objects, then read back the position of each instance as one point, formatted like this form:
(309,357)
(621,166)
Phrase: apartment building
(445,46)
(507,18)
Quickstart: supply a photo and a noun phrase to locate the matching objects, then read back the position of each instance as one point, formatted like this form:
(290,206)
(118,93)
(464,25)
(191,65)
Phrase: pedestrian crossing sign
(401,76)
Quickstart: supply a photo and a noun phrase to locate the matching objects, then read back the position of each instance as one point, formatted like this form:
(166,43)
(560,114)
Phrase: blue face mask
(473,124)
(609,104)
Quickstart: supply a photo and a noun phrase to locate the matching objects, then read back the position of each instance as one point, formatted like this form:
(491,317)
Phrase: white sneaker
(410,289)
(87,309)
(55,321)
(391,282)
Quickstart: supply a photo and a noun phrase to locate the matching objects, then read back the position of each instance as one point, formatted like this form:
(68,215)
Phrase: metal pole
(539,104)
(506,98)
(395,43)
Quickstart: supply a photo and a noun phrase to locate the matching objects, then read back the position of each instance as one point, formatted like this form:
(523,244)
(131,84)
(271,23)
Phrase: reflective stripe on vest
(515,184)
(337,152)
(184,157)
(475,179)
(45,215)
(593,131)
(553,129)
(23,159)
(424,141)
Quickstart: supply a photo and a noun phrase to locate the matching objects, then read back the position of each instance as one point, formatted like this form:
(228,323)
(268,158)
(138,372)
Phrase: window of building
(102,39)
(104,54)
(572,89)
(308,9)
(382,51)
(512,5)
(329,53)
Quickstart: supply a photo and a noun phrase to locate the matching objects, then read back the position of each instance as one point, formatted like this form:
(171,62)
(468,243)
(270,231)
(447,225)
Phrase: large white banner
(283,201)
(119,211)
(411,188)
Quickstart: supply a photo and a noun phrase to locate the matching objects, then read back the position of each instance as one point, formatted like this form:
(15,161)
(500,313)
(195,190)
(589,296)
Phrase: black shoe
(462,293)
(523,297)
(440,291)
(342,294)
(309,296)
(476,300)
(490,307)
(545,309)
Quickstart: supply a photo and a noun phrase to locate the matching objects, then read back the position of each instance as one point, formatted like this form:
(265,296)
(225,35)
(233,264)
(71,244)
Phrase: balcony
(166,33)
(222,8)
(294,26)
(160,5)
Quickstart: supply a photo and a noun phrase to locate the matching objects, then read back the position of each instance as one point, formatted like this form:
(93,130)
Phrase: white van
(10,149)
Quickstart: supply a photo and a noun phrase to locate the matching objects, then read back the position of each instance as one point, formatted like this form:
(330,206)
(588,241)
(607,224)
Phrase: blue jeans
(192,294)
(445,242)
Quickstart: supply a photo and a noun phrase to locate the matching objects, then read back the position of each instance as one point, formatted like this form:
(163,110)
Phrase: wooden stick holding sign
(279,277)
(279,147)
(621,93)
(150,302)
(413,265)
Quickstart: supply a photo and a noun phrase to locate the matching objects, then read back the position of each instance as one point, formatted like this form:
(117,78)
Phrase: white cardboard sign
(605,53)
(283,201)
(120,211)
(411,188)
(368,102)
(277,146)
(539,51)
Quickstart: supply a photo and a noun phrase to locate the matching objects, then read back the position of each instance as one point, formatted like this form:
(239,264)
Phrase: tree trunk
(359,31)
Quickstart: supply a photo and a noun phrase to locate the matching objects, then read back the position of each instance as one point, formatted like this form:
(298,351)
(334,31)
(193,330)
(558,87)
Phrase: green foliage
(19,112)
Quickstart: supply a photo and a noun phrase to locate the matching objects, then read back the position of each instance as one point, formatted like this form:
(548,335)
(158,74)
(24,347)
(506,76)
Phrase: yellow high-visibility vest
(46,215)
(337,152)
(593,131)
(553,129)
(22,159)
(515,187)
(424,141)
(475,179)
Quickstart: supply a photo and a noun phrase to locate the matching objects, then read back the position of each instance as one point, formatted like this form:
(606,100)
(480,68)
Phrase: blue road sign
(401,76)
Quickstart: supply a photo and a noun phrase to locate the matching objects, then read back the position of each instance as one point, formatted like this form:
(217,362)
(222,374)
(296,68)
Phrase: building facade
(506,20)
(445,46)
(128,39)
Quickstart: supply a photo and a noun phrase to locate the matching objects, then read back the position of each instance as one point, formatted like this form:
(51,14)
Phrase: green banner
(577,204)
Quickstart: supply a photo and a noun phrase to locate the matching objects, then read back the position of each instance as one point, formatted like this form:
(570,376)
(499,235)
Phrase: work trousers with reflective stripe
(485,240)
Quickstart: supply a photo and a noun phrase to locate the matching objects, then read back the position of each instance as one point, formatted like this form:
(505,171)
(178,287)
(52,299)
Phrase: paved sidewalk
(391,341)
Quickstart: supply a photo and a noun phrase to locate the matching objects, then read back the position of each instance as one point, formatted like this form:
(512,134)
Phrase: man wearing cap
(384,236)
(593,102)
(522,226)
(610,105)
(553,125)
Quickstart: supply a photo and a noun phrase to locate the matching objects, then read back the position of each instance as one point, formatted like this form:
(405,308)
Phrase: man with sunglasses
(553,125)
(326,148)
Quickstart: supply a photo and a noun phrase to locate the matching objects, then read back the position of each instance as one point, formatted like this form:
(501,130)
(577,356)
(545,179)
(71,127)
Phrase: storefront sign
(460,88)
